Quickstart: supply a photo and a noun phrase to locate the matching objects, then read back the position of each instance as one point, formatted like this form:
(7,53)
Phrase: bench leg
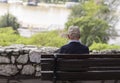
(116,81)
(68,82)
(54,81)
(14,81)
(102,81)
(8,81)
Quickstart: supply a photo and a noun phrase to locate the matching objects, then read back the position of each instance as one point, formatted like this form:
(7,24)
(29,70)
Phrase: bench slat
(82,56)
(78,65)
(82,75)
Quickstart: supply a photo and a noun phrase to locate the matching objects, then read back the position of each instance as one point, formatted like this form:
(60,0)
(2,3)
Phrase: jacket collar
(77,41)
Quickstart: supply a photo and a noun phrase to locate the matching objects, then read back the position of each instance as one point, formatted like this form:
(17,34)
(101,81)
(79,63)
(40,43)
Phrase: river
(36,14)
(42,17)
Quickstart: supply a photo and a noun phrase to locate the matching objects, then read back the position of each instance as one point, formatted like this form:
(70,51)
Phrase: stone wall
(24,61)
(106,52)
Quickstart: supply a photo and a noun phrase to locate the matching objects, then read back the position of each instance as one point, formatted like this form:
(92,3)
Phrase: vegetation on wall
(103,46)
(52,38)
(8,36)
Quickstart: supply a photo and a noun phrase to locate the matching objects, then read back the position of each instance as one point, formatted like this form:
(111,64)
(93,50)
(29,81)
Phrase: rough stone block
(28,70)
(35,56)
(4,59)
(8,70)
(23,59)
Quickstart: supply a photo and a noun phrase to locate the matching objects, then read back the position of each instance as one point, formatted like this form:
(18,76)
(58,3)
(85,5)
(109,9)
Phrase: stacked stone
(105,52)
(22,60)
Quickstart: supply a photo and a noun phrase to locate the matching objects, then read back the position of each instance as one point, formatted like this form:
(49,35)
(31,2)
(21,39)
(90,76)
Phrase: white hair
(74,32)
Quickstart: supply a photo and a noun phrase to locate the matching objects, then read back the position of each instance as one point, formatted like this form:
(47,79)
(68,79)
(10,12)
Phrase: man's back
(74,48)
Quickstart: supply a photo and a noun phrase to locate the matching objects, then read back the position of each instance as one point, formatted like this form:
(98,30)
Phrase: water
(36,15)
(41,17)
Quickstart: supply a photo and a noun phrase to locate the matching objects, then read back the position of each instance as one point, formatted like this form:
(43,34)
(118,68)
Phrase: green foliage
(25,0)
(52,38)
(103,46)
(91,29)
(8,37)
(9,20)
(85,9)
(48,39)
(90,17)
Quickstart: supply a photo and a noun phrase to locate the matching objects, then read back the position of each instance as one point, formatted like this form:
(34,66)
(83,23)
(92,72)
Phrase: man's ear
(68,36)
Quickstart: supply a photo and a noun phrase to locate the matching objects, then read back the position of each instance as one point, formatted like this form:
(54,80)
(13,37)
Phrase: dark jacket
(74,48)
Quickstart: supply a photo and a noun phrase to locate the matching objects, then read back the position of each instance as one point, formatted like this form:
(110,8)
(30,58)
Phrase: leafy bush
(8,36)
(9,20)
(92,20)
(51,38)
(103,46)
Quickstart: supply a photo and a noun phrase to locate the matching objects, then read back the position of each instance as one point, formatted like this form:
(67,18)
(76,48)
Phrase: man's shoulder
(84,46)
(65,46)
(72,45)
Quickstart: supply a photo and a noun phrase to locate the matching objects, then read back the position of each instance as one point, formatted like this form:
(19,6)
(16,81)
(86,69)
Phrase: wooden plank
(82,56)
(47,60)
(47,66)
(78,65)
(109,75)
(89,62)
(103,68)
(47,75)
(47,56)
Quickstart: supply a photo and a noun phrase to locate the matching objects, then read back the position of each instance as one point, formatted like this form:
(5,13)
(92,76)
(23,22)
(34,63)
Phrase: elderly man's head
(74,33)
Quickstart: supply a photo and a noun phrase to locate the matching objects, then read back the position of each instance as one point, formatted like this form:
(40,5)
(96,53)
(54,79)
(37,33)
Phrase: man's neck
(74,41)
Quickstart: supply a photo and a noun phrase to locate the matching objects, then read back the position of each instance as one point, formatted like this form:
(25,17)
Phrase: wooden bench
(80,67)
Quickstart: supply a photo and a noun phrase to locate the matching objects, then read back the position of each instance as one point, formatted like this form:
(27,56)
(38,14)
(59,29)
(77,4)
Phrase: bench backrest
(80,67)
